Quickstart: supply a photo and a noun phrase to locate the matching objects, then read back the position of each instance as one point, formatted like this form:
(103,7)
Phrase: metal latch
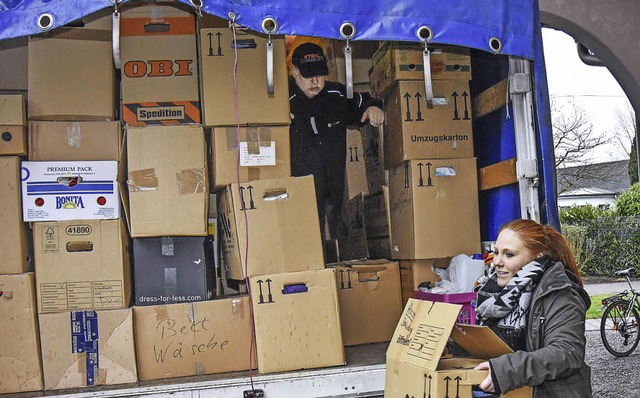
(527,168)
(520,83)
(253,394)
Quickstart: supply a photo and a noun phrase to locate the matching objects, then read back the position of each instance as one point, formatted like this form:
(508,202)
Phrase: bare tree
(574,139)
(625,129)
(625,138)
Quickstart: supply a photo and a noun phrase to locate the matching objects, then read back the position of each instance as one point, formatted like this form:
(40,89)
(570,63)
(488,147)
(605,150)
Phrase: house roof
(587,192)
(607,176)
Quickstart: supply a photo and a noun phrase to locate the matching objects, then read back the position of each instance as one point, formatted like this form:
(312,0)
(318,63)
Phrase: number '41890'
(75,230)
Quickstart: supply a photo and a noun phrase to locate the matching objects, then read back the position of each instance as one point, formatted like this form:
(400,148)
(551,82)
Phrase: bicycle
(620,322)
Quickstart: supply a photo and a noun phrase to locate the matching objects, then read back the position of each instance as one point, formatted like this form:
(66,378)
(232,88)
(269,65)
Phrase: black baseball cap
(310,61)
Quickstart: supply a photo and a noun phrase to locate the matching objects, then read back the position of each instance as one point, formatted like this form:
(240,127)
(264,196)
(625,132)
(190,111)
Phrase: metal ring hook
(496,45)
(197,4)
(347,31)
(116,11)
(424,34)
(45,22)
(269,25)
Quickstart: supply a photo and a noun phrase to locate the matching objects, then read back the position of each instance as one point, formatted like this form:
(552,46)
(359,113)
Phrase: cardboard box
(404,61)
(212,234)
(74,140)
(413,273)
(379,247)
(361,64)
(167,181)
(377,214)
(13,232)
(87,348)
(434,208)
(171,270)
(414,364)
(12,110)
(297,321)
(76,62)
(20,346)
(224,287)
(14,64)
(352,234)
(159,66)
(12,125)
(284,231)
(212,231)
(331,251)
(75,190)
(413,130)
(372,142)
(265,154)
(378,223)
(81,265)
(255,104)
(193,339)
(13,140)
(370,302)
(355,170)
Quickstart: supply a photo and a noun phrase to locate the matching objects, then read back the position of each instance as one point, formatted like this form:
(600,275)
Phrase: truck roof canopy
(501,26)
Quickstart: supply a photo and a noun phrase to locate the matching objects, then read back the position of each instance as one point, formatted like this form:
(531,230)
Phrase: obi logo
(69,202)
(158,68)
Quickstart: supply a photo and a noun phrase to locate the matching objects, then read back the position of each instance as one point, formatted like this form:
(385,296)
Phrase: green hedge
(605,244)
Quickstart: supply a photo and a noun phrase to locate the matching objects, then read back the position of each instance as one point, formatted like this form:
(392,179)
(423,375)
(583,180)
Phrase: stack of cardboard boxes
(269,227)
(20,349)
(120,178)
(70,194)
(428,151)
(179,329)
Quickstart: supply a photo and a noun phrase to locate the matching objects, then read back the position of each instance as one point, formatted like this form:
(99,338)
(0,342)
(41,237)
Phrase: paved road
(603,288)
(612,377)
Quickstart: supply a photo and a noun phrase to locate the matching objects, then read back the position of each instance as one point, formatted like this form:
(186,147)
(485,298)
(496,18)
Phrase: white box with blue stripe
(76,190)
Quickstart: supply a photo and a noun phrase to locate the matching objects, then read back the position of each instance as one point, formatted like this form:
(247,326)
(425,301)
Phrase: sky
(593,89)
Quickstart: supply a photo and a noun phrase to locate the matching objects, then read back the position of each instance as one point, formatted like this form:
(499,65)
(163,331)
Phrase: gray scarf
(507,308)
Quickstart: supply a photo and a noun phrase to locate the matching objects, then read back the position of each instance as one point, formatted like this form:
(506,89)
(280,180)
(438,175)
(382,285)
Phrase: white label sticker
(266,157)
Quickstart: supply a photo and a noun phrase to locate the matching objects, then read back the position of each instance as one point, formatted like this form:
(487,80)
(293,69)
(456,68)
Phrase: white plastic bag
(463,272)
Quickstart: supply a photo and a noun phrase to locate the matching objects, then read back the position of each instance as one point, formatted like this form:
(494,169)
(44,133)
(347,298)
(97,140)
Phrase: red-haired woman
(535,302)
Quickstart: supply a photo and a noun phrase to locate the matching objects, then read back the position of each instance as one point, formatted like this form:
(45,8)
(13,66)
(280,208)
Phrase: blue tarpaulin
(469,23)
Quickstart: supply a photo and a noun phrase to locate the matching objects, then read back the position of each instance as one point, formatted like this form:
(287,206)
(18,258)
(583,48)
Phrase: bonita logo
(69,202)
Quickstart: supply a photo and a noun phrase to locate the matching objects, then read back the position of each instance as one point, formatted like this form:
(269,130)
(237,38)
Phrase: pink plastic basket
(468,300)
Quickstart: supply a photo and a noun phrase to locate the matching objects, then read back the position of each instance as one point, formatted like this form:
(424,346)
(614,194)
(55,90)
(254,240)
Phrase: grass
(593,312)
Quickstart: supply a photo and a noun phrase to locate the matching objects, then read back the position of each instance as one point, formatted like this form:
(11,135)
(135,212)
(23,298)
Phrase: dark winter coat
(318,134)
(554,361)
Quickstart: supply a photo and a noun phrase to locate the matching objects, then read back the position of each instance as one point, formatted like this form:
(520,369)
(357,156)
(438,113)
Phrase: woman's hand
(487,383)
(375,116)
